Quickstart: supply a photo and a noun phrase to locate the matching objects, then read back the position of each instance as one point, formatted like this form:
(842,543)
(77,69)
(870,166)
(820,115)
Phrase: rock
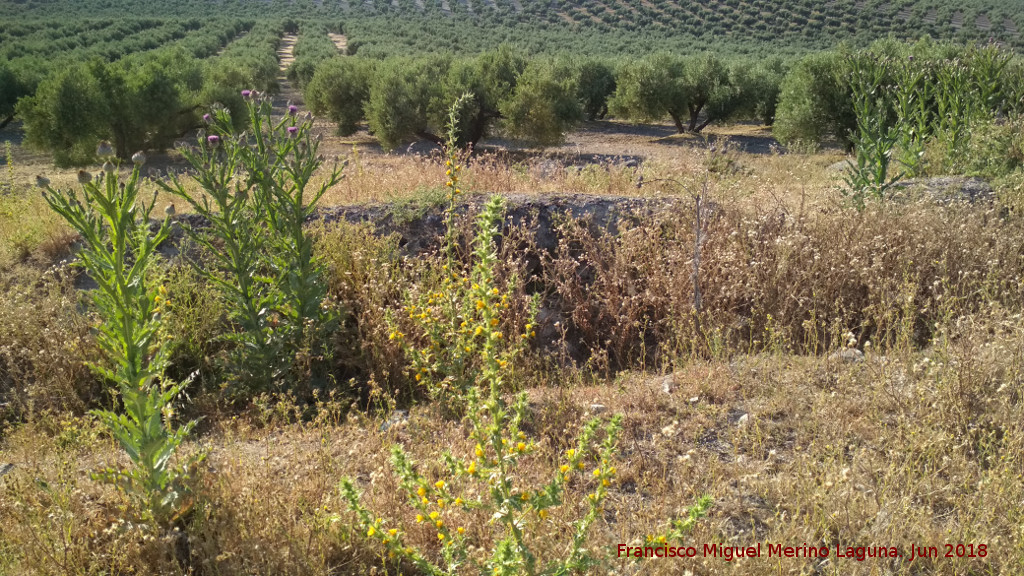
(695,399)
(597,408)
(743,420)
(839,166)
(398,418)
(948,189)
(668,384)
(848,355)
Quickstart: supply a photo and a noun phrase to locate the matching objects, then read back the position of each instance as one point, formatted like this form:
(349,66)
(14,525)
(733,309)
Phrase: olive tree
(693,91)
(137,103)
(815,103)
(544,104)
(340,89)
(409,98)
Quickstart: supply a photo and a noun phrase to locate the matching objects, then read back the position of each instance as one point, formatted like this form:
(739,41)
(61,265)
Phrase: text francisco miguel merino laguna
(730,553)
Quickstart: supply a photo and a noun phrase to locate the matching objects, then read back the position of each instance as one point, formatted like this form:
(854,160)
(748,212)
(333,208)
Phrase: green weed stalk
(875,137)
(256,196)
(119,254)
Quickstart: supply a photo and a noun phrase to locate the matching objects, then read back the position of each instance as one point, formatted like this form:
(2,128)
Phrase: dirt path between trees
(340,42)
(285,52)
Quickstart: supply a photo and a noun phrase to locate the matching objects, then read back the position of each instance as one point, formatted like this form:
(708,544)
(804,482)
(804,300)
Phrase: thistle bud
(169,210)
(42,181)
(293,131)
(246,94)
(293,110)
(104,150)
(207,118)
(213,140)
(139,158)
(84,177)
(108,167)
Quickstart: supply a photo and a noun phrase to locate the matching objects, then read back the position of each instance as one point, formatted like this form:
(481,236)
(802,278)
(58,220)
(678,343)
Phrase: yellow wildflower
(419,518)
(371,531)
(439,484)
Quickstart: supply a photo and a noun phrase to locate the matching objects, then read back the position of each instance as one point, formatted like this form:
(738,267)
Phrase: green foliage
(313,47)
(876,134)
(544,105)
(119,254)
(11,89)
(462,356)
(263,262)
(458,329)
(535,101)
(398,109)
(693,91)
(8,185)
(339,90)
(139,103)
(814,103)
(651,88)
(595,84)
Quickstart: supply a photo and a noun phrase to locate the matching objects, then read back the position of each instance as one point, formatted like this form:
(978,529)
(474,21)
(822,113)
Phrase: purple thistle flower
(246,93)
(207,118)
(293,131)
(293,110)
(213,140)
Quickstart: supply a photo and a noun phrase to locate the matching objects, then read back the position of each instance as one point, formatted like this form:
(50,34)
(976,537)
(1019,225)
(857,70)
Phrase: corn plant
(914,93)
(255,197)
(957,103)
(119,253)
(875,136)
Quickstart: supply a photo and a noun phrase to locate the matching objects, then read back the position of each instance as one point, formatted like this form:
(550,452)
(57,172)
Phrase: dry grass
(919,443)
(919,449)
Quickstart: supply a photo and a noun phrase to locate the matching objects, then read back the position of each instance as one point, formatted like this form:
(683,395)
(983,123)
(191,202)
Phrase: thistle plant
(119,254)
(256,196)
(458,327)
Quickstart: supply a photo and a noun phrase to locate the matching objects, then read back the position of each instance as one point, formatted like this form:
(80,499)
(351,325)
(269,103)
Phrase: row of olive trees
(144,101)
(536,99)
(27,60)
